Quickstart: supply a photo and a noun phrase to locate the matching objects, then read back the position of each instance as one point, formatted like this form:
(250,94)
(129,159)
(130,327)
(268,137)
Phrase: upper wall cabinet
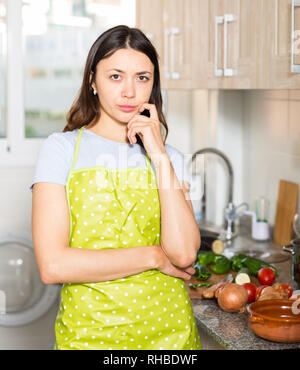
(149,18)
(280,44)
(170,26)
(233,44)
(225,44)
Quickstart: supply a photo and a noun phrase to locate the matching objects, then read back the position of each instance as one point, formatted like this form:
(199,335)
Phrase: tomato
(288,288)
(251,290)
(259,290)
(266,276)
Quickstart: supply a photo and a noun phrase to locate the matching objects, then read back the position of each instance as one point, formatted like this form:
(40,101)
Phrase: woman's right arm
(59,263)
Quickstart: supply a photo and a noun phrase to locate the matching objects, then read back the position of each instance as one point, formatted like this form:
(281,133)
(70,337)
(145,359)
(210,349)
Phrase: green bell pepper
(205,258)
(201,272)
(237,262)
(222,267)
(200,285)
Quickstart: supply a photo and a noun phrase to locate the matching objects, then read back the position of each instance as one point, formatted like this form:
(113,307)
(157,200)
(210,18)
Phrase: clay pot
(277,320)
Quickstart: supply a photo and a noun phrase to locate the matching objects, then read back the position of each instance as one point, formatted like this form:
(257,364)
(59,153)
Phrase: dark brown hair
(86,107)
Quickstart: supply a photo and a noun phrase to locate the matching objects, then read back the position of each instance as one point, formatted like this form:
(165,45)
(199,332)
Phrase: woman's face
(125,78)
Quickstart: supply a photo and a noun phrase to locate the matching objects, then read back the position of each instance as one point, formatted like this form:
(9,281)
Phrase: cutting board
(214,279)
(285,212)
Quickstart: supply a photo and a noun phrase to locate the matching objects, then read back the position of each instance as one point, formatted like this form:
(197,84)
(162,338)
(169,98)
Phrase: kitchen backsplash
(271,141)
(259,130)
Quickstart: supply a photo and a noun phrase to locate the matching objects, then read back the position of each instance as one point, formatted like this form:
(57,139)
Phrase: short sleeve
(179,163)
(54,160)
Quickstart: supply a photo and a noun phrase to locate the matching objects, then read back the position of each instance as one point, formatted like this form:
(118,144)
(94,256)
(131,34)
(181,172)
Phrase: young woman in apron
(132,236)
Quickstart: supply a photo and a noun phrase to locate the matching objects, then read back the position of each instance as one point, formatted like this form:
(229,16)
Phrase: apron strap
(77,147)
(148,162)
(149,170)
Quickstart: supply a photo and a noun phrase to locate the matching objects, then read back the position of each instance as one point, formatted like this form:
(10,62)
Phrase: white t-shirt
(56,154)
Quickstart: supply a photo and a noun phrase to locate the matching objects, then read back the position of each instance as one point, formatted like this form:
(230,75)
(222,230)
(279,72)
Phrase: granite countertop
(230,330)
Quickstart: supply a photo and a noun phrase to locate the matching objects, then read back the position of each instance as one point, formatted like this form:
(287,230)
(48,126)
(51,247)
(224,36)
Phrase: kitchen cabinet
(232,45)
(169,25)
(280,44)
(224,44)
(202,43)
(149,19)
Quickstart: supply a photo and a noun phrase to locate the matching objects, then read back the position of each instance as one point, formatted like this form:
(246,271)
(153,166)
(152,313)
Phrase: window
(51,40)
(3,46)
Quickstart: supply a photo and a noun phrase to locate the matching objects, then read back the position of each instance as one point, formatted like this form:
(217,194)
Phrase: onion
(232,297)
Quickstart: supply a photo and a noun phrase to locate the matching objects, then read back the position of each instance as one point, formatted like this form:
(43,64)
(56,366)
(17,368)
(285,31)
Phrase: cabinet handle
(218,20)
(295,68)
(166,52)
(174,31)
(227,18)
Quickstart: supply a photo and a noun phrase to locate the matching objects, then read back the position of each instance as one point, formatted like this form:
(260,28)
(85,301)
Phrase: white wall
(259,130)
(217,122)
(178,116)
(271,140)
(15,199)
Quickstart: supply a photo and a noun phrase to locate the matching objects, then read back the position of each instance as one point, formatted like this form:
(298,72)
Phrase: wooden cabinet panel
(198,39)
(170,24)
(215,36)
(178,23)
(276,45)
(149,18)
(232,44)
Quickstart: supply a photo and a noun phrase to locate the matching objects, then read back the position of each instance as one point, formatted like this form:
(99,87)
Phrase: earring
(94,92)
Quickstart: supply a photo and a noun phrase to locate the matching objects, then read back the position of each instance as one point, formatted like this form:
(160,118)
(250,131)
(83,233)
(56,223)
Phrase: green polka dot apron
(120,208)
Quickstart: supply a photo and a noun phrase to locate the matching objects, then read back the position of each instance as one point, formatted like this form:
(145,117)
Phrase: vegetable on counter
(288,288)
(236,262)
(266,276)
(205,258)
(200,285)
(259,291)
(219,264)
(217,246)
(243,276)
(222,266)
(253,264)
(251,291)
(201,272)
(232,297)
(211,292)
(275,291)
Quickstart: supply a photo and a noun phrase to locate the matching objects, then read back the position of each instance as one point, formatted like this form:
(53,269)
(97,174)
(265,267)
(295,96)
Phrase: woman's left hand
(148,130)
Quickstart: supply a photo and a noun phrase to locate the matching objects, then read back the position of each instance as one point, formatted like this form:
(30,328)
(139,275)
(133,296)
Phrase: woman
(121,240)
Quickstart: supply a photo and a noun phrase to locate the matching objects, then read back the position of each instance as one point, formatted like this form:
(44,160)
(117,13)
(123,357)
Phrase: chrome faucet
(230,213)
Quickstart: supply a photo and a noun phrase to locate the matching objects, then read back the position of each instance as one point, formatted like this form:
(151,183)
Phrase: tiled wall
(271,141)
(259,130)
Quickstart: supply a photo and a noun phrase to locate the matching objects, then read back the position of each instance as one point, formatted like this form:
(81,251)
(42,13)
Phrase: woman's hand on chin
(148,129)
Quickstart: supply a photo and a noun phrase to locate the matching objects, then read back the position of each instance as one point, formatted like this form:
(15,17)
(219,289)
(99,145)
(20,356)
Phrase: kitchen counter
(230,330)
